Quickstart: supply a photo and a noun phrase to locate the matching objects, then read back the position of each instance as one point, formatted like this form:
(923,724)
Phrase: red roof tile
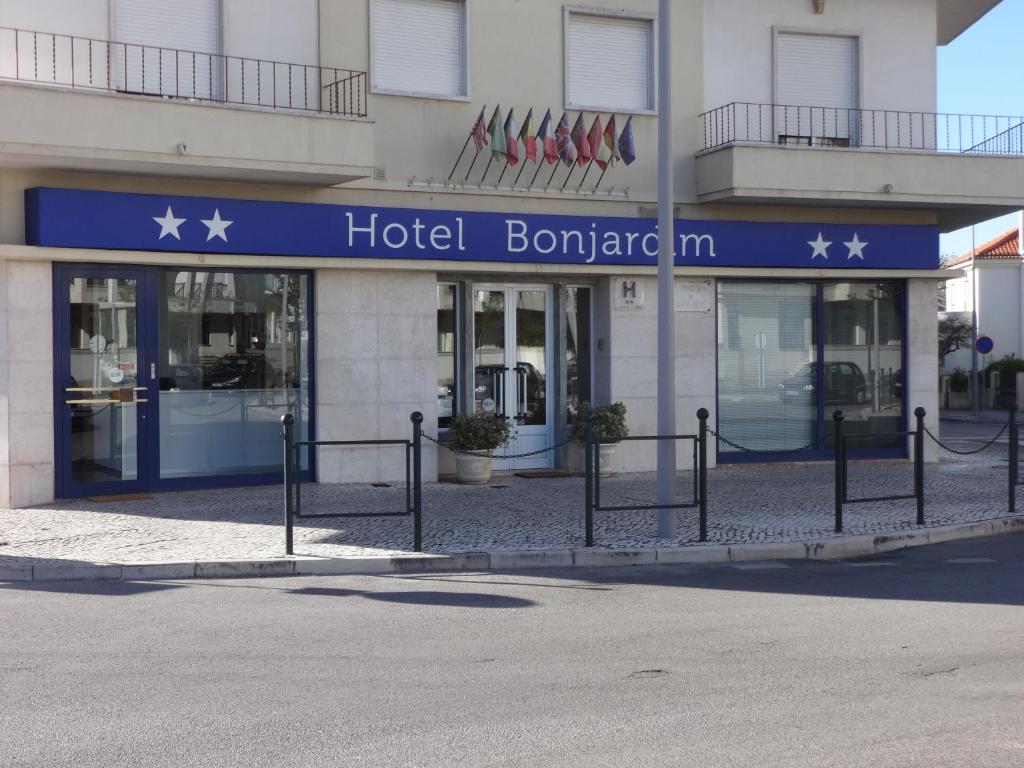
(1006,246)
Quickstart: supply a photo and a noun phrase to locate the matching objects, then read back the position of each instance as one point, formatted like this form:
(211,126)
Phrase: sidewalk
(982,417)
(754,512)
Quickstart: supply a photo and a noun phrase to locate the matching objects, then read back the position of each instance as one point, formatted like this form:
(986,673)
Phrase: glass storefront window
(577,345)
(447,354)
(233,358)
(780,377)
(767,364)
(863,359)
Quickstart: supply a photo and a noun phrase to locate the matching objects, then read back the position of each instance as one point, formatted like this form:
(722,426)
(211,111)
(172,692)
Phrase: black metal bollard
(588,476)
(702,473)
(417,481)
(1012,426)
(287,426)
(840,467)
(919,414)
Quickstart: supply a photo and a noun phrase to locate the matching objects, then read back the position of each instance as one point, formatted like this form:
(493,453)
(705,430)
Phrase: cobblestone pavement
(747,504)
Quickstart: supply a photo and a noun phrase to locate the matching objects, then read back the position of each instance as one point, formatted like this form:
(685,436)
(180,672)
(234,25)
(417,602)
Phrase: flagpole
(666,491)
(552,176)
(502,175)
(600,178)
(571,171)
(471,167)
(521,173)
(486,169)
(464,146)
(578,188)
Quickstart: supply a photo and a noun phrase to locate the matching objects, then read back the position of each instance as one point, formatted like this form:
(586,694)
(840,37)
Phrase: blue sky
(979,73)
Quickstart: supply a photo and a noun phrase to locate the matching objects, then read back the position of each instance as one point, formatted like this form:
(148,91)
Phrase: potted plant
(608,427)
(472,439)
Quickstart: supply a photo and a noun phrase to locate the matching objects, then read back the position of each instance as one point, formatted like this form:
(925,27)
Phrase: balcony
(966,168)
(144,109)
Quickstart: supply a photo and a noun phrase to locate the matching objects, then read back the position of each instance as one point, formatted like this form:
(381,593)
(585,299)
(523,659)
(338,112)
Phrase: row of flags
(600,144)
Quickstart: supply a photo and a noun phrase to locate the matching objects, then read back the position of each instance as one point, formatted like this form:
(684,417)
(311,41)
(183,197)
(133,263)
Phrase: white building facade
(216,212)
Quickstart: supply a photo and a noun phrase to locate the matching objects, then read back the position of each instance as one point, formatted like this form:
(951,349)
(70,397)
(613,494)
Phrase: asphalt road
(912,659)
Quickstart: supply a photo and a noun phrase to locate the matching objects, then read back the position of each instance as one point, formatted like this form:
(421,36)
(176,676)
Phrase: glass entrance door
(511,361)
(103,382)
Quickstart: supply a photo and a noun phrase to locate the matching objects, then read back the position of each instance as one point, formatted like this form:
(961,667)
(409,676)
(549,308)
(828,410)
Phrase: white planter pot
(575,458)
(473,468)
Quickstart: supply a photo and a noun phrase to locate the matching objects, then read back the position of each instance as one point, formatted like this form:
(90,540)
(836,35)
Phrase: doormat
(539,474)
(122,497)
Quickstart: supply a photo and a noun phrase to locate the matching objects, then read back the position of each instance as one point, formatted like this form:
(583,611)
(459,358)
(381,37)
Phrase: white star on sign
(217,226)
(856,248)
(820,247)
(168,224)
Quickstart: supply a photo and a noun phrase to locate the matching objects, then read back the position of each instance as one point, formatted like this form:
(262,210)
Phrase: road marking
(969,560)
(759,566)
(871,564)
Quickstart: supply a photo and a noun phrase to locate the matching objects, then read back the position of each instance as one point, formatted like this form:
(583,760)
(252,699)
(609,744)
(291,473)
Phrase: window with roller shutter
(609,61)
(816,85)
(171,47)
(419,47)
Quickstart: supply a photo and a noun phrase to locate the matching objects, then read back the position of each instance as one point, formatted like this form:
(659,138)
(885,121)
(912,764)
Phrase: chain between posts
(813,444)
(525,455)
(987,445)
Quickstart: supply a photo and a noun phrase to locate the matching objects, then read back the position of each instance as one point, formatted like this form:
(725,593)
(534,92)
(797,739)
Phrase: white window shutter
(608,62)
(816,88)
(419,47)
(172,47)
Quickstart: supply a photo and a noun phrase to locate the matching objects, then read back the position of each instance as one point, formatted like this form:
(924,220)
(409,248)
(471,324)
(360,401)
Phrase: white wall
(627,371)
(376,363)
(999,305)
(81,18)
(897,62)
(26,384)
(923,359)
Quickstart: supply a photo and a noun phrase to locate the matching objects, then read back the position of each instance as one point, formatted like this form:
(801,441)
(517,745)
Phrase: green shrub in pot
(478,432)
(609,423)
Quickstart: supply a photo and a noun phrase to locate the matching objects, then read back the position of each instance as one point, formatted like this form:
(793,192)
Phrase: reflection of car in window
(241,371)
(844,383)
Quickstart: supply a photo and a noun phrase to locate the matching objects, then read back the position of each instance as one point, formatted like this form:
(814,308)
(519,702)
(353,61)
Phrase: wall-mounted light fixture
(819,6)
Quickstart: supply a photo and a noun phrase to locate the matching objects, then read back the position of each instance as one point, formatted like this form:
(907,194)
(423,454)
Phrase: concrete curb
(823,549)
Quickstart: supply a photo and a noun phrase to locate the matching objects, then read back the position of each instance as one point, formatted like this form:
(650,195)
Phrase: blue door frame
(145,412)
(823,426)
(148,371)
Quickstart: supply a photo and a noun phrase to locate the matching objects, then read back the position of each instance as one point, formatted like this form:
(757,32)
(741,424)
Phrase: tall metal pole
(976,387)
(666,270)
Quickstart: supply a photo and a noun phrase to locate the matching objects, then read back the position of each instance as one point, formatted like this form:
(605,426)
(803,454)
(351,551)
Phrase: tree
(954,333)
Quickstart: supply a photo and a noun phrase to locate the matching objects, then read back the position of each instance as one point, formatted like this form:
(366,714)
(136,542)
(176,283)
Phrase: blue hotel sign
(68,218)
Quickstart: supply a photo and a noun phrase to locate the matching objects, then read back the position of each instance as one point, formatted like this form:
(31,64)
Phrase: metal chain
(526,455)
(989,444)
(813,444)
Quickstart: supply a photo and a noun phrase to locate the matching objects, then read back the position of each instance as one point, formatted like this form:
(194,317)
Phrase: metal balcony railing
(747,123)
(171,73)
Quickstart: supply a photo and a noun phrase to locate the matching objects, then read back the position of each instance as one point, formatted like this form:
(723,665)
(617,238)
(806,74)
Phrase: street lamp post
(666,263)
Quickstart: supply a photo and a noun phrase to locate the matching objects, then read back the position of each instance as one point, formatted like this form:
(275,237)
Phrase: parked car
(844,383)
(240,370)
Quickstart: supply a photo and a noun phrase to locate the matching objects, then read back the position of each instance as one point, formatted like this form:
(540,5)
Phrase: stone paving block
(695,554)
(613,557)
(780,551)
(74,572)
(143,571)
(841,548)
(340,566)
(556,558)
(231,569)
(440,563)
(893,542)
